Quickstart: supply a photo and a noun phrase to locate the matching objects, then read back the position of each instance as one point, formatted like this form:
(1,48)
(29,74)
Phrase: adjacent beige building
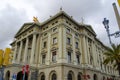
(59,49)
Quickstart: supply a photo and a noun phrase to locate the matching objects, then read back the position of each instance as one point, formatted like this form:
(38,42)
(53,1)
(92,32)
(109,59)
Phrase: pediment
(24,27)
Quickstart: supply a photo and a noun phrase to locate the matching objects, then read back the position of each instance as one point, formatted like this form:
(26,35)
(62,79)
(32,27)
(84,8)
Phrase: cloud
(10,20)
(14,13)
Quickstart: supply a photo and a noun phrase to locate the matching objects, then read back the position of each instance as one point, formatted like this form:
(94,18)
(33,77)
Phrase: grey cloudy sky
(14,13)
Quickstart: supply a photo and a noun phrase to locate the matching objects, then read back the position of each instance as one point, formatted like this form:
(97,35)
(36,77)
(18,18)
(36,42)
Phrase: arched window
(43,77)
(79,77)
(95,77)
(7,77)
(54,77)
(69,76)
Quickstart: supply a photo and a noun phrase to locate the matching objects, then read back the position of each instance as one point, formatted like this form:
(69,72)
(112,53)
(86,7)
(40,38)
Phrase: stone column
(26,51)
(20,51)
(33,48)
(15,52)
(73,45)
(84,50)
(48,48)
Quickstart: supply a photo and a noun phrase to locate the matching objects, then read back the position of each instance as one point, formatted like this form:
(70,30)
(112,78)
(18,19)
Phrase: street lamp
(106,25)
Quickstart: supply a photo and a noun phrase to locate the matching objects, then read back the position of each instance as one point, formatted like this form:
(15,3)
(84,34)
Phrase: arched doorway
(7,76)
(95,77)
(70,75)
(54,77)
(103,77)
(20,76)
(79,76)
(42,76)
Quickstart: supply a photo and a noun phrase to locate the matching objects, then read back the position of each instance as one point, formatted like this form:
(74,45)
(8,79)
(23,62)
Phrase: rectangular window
(76,44)
(44,44)
(68,30)
(54,40)
(54,29)
(78,58)
(54,56)
(68,40)
(43,59)
(69,57)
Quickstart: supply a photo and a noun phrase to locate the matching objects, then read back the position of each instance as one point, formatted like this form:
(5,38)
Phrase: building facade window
(78,58)
(42,77)
(79,77)
(54,29)
(43,58)
(44,44)
(54,56)
(54,40)
(76,44)
(69,77)
(54,77)
(68,40)
(69,57)
(68,30)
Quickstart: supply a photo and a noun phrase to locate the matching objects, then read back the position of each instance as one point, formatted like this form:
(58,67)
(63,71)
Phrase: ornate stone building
(59,49)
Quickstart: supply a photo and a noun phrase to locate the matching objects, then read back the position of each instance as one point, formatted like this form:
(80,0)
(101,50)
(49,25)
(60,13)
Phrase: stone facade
(59,49)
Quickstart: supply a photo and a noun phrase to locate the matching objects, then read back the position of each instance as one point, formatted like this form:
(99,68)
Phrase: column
(26,51)
(33,48)
(20,50)
(48,49)
(60,44)
(73,44)
(84,50)
(15,51)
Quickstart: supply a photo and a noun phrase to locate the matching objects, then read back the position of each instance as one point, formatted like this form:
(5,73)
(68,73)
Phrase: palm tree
(113,56)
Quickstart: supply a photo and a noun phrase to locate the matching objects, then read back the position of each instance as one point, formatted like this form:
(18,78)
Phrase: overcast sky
(14,13)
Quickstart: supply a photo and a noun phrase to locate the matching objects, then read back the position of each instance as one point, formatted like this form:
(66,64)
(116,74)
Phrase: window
(44,44)
(79,77)
(54,40)
(76,34)
(54,56)
(45,34)
(54,77)
(43,77)
(43,59)
(55,29)
(69,57)
(78,58)
(68,40)
(68,30)
(69,77)
(76,44)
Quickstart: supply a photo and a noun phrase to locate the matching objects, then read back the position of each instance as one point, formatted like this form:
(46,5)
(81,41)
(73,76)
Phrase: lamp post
(106,25)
